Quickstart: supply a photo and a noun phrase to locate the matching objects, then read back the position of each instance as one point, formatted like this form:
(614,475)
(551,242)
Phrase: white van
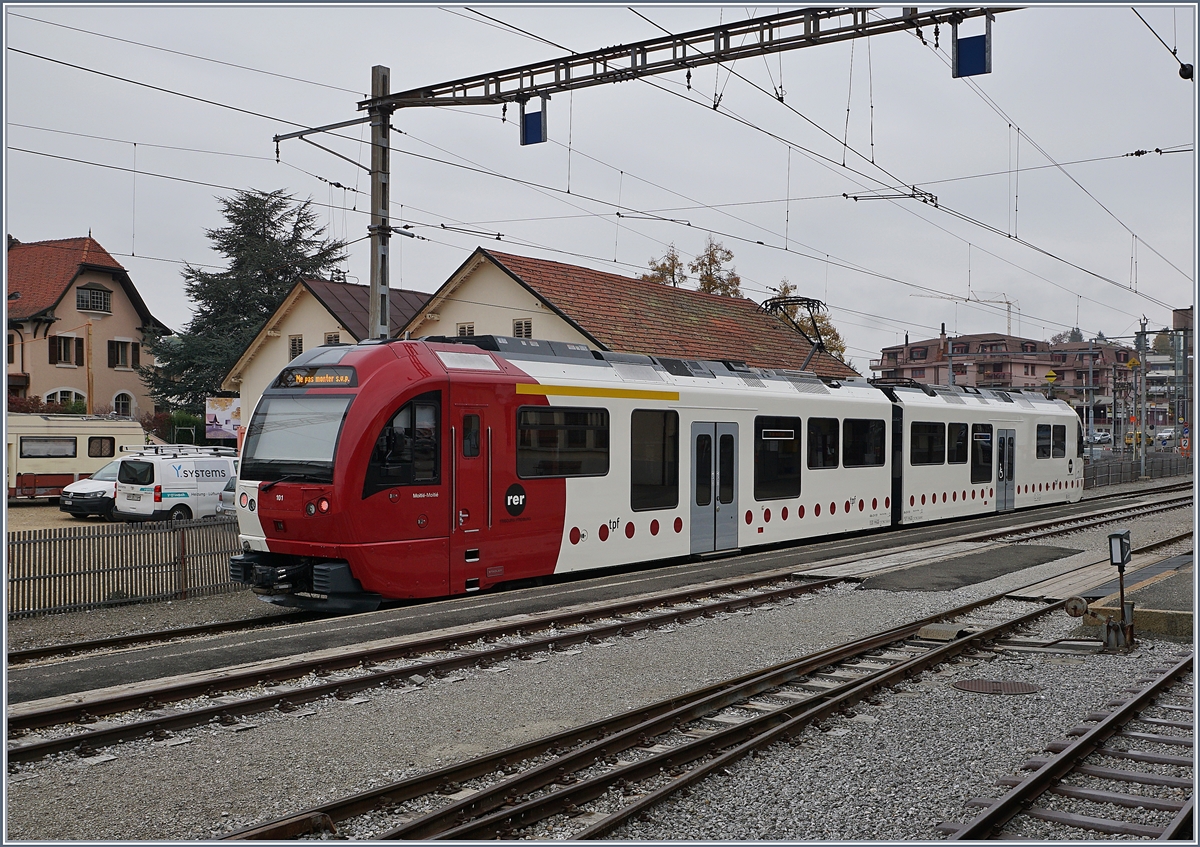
(173,481)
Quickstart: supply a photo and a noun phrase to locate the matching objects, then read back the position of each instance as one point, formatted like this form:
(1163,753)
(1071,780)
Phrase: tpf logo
(514,499)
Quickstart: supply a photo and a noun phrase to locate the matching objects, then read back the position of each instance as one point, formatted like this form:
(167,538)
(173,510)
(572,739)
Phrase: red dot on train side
(629,530)
(912,500)
(749,517)
(943,496)
(922,499)
(766,515)
(800,512)
(846,505)
(679,524)
(574,535)
(887,502)
(972,493)
(654,527)
(817,510)
(833,508)
(604,532)
(954,496)
(874,503)
(862,504)
(783,514)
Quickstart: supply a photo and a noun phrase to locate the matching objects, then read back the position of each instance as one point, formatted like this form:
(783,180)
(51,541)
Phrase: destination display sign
(327,377)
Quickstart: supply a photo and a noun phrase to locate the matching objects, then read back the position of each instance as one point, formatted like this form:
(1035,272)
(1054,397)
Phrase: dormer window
(1028,347)
(958,348)
(918,353)
(93,299)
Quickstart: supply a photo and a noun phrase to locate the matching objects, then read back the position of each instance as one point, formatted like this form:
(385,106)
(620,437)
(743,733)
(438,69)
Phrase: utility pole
(378,325)
(1091,401)
(1142,404)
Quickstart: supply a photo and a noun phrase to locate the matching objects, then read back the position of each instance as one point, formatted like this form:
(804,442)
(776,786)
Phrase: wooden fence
(1115,473)
(60,570)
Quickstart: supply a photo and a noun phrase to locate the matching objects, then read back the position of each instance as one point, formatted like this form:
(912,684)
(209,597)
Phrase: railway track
(1038,529)
(144,711)
(145,707)
(1083,770)
(592,779)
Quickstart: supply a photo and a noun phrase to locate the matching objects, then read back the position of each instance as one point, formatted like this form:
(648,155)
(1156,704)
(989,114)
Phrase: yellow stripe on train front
(587,391)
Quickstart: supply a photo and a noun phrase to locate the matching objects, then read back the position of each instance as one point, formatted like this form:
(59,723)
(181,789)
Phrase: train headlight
(310,509)
(242,500)
(323,505)
(251,507)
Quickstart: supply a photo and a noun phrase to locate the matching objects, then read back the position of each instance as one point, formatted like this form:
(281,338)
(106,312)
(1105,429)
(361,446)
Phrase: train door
(1006,461)
(714,487)
(471,467)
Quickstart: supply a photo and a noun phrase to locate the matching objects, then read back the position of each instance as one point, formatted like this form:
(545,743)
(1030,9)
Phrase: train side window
(863,443)
(956,444)
(927,445)
(703,470)
(470,444)
(776,458)
(981,453)
(823,442)
(1079,440)
(102,446)
(561,441)
(1059,442)
(654,460)
(1043,441)
(47,447)
(408,450)
(725,469)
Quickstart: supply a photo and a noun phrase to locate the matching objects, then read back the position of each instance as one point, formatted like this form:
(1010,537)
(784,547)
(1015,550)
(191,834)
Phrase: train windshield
(294,436)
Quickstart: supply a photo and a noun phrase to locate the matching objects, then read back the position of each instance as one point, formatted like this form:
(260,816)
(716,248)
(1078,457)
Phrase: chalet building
(315,312)
(76,326)
(495,293)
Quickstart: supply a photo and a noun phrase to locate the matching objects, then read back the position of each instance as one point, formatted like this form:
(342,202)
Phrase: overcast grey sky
(1082,85)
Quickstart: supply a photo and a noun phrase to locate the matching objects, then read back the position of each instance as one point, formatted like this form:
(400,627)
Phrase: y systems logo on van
(198,473)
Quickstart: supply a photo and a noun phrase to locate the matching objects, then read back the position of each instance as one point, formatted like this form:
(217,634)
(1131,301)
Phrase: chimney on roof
(906,339)
(942,340)
(12,242)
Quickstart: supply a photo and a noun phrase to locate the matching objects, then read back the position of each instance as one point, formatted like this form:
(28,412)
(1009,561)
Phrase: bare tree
(712,275)
(668,270)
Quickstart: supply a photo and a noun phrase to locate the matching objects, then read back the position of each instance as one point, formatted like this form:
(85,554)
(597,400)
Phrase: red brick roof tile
(634,316)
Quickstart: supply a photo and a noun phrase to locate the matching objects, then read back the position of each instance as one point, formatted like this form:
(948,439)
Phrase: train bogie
(428,468)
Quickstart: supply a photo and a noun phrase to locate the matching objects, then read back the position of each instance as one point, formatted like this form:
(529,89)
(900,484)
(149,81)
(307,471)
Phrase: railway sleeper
(1133,801)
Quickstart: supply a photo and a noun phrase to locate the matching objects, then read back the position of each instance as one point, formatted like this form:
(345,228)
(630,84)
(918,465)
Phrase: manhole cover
(992,686)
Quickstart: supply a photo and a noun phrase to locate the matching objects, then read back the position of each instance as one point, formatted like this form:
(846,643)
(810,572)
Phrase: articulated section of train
(406,469)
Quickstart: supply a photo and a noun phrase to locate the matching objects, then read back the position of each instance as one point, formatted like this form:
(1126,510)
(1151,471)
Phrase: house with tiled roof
(315,312)
(76,324)
(495,293)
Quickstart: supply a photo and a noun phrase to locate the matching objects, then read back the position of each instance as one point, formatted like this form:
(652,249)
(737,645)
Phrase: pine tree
(711,273)
(271,241)
(668,270)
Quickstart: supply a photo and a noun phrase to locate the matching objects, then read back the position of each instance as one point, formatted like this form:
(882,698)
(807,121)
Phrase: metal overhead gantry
(724,43)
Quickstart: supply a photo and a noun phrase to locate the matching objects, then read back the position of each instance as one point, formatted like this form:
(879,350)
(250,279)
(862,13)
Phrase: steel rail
(1041,780)
(17,657)
(68,713)
(602,729)
(1082,522)
(720,749)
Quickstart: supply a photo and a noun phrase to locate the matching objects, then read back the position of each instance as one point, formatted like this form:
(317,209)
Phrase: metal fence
(1117,472)
(60,570)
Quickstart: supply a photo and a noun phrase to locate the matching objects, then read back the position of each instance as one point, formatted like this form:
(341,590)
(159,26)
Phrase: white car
(226,499)
(92,496)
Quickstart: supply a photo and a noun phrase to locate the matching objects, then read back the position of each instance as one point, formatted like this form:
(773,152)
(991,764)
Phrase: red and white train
(405,469)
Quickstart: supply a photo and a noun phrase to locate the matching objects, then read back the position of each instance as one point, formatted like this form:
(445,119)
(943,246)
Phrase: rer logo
(514,499)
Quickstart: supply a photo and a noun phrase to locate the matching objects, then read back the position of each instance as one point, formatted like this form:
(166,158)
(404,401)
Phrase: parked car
(92,496)
(1129,438)
(1101,437)
(1166,433)
(226,498)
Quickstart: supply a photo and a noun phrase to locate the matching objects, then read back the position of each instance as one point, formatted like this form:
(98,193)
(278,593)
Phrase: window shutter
(79,352)
(112,354)
(135,355)
(53,341)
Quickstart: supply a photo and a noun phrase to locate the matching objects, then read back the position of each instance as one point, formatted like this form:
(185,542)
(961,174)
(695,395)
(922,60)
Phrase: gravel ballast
(900,767)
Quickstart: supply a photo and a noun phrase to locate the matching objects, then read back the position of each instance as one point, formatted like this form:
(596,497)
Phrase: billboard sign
(222,417)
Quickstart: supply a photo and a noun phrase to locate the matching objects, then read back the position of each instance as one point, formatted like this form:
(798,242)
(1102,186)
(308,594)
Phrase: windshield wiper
(284,478)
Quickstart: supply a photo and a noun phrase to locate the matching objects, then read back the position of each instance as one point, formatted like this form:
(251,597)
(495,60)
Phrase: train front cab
(400,491)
